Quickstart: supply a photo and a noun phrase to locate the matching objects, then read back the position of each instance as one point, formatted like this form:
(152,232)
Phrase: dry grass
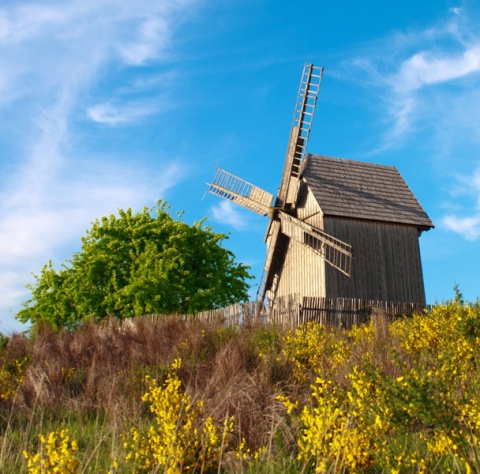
(96,375)
(100,368)
(93,380)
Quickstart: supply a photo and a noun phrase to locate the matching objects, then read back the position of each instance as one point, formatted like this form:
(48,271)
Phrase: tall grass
(391,397)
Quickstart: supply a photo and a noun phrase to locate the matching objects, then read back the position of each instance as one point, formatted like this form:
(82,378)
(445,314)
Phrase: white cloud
(229,214)
(423,63)
(34,228)
(45,43)
(151,32)
(427,68)
(12,284)
(416,77)
(31,228)
(111,115)
(467,227)
(53,58)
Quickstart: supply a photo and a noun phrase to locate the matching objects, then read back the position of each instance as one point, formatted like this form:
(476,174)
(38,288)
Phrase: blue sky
(113,104)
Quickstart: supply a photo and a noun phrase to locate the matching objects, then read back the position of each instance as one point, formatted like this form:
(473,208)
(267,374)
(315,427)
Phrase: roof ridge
(347,160)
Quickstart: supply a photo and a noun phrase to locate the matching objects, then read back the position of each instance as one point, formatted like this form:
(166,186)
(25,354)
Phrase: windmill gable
(357,190)
(371,207)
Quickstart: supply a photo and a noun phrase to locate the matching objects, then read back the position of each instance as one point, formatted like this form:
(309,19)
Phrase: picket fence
(293,311)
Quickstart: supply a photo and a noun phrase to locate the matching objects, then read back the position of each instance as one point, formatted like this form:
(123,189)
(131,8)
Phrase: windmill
(281,210)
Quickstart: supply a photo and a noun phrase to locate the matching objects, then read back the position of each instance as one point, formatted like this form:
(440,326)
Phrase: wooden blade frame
(336,253)
(237,190)
(300,133)
(296,150)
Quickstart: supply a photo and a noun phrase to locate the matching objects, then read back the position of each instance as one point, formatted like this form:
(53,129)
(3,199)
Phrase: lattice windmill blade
(237,190)
(336,252)
(300,132)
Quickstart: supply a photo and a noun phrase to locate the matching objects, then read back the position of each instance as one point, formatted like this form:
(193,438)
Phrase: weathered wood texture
(307,208)
(347,312)
(292,311)
(234,315)
(300,271)
(386,262)
(297,269)
(359,190)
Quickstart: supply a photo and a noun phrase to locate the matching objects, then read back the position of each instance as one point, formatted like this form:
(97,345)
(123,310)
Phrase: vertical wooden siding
(386,261)
(303,272)
(299,270)
(307,208)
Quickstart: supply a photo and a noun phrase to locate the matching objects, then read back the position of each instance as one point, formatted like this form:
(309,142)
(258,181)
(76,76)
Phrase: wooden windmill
(323,209)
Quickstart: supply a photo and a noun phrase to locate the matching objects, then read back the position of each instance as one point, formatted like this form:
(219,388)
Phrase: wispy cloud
(456,10)
(467,226)
(112,115)
(229,214)
(428,68)
(152,31)
(53,59)
(421,63)
(418,73)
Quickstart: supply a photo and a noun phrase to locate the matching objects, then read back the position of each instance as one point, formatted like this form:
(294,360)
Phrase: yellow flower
(180,438)
(56,455)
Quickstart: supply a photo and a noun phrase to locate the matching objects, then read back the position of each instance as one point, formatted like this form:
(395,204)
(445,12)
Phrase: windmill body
(338,228)
(367,205)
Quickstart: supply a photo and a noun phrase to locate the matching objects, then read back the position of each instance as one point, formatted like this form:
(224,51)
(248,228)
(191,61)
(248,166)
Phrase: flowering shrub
(410,404)
(341,428)
(11,376)
(56,455)
(180,439)
(313,347)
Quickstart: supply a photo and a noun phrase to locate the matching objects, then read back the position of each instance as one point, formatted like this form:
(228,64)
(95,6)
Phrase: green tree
(134,264)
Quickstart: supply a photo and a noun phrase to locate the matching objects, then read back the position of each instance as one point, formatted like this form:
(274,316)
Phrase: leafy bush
(137,264)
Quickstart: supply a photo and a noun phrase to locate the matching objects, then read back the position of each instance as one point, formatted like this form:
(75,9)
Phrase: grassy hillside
(175,396)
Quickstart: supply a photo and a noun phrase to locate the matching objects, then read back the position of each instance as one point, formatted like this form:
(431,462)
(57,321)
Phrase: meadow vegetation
(173,395)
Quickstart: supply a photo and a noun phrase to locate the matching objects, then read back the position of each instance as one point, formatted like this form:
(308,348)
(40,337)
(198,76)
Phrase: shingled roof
(359,190)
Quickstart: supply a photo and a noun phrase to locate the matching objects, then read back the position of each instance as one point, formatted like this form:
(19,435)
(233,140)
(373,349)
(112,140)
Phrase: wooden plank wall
(300,270)
(386,261)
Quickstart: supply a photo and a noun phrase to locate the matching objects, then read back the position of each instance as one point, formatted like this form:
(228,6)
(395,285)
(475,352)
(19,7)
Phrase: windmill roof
(358,190)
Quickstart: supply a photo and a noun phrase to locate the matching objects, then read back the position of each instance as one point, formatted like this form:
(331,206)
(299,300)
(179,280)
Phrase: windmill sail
(337,253)
(283,225)
(237,190)
(302,123)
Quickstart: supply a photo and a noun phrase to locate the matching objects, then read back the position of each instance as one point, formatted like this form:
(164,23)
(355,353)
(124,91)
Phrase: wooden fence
(234,315)
(293,311)
(347,312)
